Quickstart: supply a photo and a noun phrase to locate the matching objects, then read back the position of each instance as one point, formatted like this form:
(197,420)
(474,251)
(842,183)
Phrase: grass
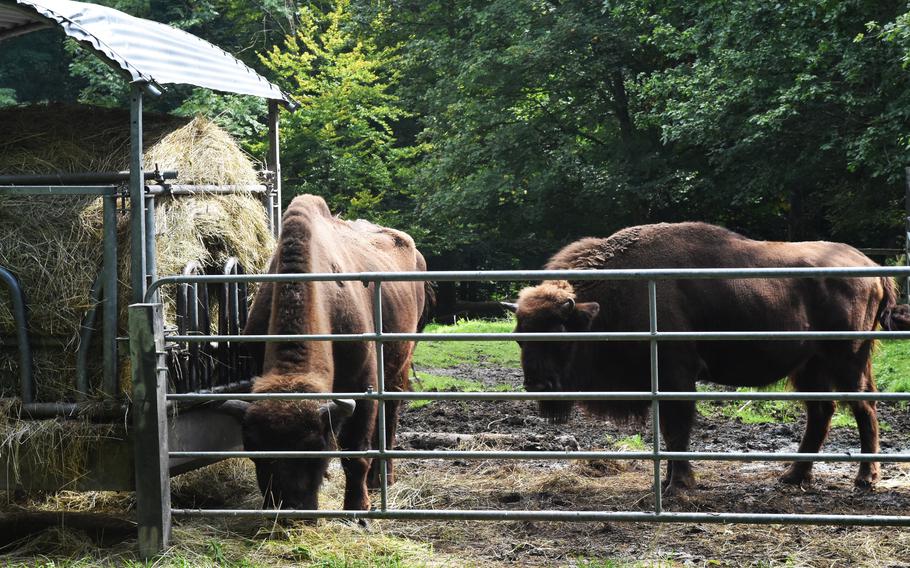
(429,382)
(446,354)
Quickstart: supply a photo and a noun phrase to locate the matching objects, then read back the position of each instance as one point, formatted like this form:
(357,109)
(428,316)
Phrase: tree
(340,143)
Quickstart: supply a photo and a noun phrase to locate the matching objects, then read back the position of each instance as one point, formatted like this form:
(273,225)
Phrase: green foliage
(340,143)
(243,116)
(443,354)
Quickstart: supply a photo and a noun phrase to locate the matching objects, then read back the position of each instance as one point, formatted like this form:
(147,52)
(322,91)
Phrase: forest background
(496,131)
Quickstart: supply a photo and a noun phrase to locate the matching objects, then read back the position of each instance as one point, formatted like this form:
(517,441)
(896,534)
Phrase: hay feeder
(148,55)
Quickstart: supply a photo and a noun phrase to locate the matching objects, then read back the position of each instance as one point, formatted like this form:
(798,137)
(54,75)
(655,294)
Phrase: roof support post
(153,483)
(274,164)
(138,262)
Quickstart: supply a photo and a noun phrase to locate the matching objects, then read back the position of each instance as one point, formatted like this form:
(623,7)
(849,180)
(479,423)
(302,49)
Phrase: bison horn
(235,408)
(342,407)
(568,306)
(337,411)
(509,306)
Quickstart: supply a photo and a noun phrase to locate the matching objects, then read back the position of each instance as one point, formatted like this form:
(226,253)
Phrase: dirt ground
(744,487)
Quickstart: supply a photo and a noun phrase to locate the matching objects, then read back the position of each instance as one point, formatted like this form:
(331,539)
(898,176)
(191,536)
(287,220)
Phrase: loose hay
(53,244)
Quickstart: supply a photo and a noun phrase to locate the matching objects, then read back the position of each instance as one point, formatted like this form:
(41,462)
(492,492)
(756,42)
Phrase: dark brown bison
(313,241)
(820,304)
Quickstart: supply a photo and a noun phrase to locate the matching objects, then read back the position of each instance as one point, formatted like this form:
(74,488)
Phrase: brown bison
(313,241)
(819,304)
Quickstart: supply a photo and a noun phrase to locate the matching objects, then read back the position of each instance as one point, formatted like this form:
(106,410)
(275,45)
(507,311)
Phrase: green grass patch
(633,443)
(443,354)
(891,365)
(442,383)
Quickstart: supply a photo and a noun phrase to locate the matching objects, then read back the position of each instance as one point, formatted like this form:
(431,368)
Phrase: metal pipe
(91,410)
(187,189)
(380,388)
(655,404)
(551,336)
(551,455)
(274,164)
(577,395)
(86,329)
(150,233)
(585,275)
(138,228)
(109,312)
(572,516)
(60,190)
(20,315)
(66,178)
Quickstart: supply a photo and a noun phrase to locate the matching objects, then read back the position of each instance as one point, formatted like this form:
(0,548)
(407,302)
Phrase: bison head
(547,364)
(273,425)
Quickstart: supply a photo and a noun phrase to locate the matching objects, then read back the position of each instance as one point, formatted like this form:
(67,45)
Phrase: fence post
(655,404)
(153,489)
(380,388)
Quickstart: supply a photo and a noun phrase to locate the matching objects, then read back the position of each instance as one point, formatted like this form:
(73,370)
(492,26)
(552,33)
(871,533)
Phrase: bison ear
(583,316)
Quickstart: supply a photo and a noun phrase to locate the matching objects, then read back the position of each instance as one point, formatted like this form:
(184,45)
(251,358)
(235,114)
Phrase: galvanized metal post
(151,268)
(138,263)
(380,389)
(655,404)
(109,278)
(153,489)
(274,163)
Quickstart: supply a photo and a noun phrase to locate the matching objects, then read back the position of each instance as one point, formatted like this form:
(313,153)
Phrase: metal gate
(148,339)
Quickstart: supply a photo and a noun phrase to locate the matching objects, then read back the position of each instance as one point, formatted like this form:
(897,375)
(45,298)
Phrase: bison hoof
(796,477)
(865,483)
(359,523)
(677,487)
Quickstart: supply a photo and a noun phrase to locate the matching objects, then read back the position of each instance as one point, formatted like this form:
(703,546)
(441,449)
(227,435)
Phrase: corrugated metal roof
(146,51)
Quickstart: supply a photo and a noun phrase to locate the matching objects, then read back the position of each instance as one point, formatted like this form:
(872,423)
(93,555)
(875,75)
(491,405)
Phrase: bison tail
(429,305)
(893,316)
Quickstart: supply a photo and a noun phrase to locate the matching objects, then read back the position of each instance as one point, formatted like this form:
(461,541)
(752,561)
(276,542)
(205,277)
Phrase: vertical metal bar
(138,265)
(655,404)
(20,316)
(151,266)
(86,328)
(193,327)
(275,165)
(153,489)
(109,275)
(380,388)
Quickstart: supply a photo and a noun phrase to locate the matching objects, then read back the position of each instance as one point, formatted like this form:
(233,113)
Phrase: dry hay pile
(54,244)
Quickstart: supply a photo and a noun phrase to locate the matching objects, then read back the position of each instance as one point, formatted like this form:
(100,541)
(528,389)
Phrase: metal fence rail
(653,335)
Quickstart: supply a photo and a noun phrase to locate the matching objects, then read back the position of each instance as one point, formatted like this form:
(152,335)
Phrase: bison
(790,304)
(313,241)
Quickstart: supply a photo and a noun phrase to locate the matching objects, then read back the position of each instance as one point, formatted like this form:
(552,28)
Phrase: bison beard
(818,304)
(555,411)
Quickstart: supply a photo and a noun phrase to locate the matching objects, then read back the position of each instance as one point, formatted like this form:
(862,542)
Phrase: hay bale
(53,244)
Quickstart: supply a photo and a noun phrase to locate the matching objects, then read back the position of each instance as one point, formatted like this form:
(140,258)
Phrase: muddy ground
(743,487)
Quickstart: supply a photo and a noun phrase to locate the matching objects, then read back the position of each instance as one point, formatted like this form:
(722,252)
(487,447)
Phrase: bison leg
(867,424)
(676,425)
(818,422)
(355,488)
(356,435)
(392,408)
